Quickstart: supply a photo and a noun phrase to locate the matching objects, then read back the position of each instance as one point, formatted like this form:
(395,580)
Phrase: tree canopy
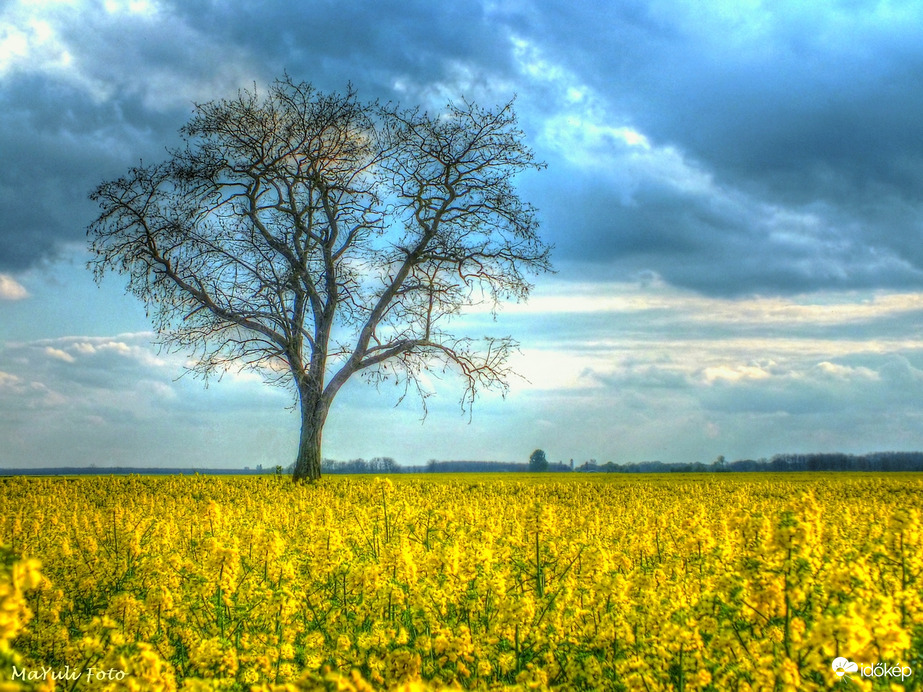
(538,461)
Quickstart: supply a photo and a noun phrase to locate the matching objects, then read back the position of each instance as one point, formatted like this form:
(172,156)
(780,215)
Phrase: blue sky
(734,192)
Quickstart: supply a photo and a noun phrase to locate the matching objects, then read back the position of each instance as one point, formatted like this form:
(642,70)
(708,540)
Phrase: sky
(734,192)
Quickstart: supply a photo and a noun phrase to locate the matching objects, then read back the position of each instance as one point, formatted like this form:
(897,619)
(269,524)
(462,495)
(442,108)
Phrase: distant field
(669,581)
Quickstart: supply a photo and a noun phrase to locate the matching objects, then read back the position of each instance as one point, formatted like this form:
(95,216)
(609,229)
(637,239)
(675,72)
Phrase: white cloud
(461,78)
(28,40)
(58,354)
(117,401)
(845,372)
(554,370)
(132,7)
(533,63)
(38,37)
(119,347)
(32,42)
(42,396)
(821,308)
(9,381)
(159,390)
(734,373)
(584,133)
(10,289)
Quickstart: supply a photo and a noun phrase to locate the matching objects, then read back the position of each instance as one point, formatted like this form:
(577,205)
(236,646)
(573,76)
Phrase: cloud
(659,372)
(88,91)
(823,392)
(115,401)
(756,150)
(10,289)
(846,372)
(74,43)
(794,123)
(650,318)
(58,354)
(734,373)
(9,381)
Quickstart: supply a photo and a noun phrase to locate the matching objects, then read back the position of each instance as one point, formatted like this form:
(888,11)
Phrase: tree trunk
(313,416)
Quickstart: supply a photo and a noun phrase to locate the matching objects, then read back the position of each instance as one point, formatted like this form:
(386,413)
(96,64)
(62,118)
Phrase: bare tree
(311,237)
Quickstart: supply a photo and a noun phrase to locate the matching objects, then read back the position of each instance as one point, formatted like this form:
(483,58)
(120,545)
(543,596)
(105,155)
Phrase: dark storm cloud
(370,44)
(129,82)
(814,109)
(728,245)
(783,95)
(57,144)
(775,149)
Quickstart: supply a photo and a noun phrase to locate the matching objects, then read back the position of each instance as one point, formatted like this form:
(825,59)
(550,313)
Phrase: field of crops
(711,582)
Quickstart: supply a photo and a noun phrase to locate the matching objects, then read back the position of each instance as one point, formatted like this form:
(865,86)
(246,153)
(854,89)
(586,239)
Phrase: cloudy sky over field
(734,191)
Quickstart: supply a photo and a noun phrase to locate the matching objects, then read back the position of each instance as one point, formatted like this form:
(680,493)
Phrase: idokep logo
(843,666)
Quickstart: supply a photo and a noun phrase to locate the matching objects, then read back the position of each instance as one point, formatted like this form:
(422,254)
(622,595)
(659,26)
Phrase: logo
(842,666)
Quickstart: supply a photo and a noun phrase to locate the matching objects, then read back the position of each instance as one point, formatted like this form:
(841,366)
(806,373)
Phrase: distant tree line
(822,461)
(129,471)
(375,465)
(434,466)
(875,461)
(538,462)
(592,466)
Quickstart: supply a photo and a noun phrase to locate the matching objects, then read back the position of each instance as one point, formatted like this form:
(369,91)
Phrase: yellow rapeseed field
(698,582)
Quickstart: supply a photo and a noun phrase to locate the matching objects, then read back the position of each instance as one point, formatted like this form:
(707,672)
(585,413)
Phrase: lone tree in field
(311,237)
